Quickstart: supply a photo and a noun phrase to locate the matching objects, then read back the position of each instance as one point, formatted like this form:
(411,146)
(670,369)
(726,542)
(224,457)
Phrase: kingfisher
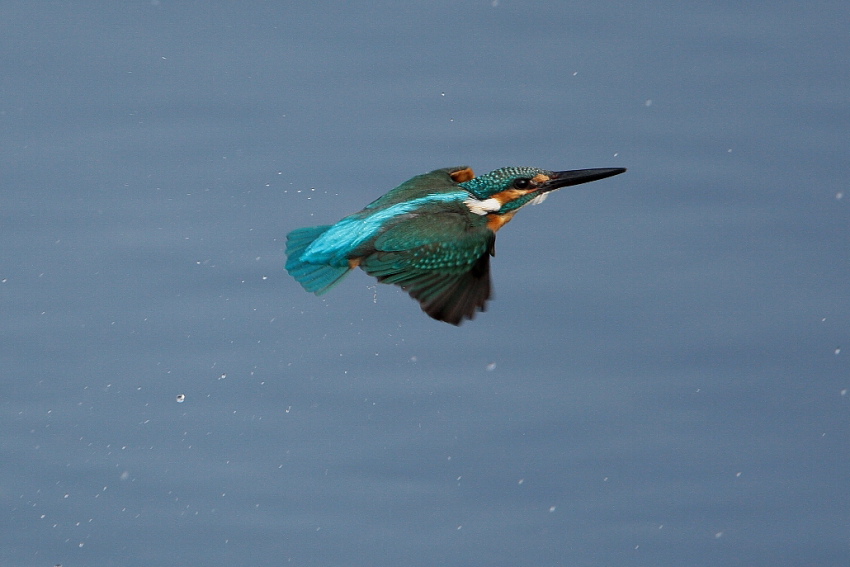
(433,235)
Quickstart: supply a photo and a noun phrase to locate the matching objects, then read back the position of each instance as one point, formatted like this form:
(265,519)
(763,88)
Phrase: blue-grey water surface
(661,380)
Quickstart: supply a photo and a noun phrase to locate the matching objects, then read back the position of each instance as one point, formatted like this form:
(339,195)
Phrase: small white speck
(838,197)
(491,367)
(737,475)
(223,376)
(648,102)
(718,535)
(181,398)
(837,351)
(844,392)
(520,481)
(551,509)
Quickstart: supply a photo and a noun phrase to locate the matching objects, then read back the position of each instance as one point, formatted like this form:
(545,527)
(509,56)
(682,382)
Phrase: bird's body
(433,236)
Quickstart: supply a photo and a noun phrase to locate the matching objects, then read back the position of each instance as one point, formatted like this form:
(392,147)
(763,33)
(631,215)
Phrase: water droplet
(181,398)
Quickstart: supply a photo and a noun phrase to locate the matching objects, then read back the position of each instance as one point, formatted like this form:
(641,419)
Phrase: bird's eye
(522,183)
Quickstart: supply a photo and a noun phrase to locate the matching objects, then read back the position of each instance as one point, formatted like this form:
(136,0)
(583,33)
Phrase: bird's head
(507,189)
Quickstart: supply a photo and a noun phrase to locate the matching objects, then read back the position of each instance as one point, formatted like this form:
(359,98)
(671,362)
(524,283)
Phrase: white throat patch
(484,207)
(538,199)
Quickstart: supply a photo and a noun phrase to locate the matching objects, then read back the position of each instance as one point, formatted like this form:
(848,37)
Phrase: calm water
(662,378)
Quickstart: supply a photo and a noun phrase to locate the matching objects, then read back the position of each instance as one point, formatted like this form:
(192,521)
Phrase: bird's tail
(315,278)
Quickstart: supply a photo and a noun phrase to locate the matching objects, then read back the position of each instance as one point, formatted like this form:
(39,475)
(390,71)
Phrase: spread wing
(440,260)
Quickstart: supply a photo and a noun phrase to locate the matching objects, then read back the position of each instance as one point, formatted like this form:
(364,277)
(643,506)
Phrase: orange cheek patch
(511,194)
(540,179)
(462,175)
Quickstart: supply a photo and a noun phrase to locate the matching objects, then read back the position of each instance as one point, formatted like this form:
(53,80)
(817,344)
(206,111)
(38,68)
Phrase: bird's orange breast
(495,221)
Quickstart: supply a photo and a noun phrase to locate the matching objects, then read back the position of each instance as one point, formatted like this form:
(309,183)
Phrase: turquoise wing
(440,260)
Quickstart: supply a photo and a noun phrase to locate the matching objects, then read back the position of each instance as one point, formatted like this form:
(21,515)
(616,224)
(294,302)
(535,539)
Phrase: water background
(662,378)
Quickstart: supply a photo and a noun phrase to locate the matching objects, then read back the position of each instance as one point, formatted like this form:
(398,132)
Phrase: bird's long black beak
(578,176)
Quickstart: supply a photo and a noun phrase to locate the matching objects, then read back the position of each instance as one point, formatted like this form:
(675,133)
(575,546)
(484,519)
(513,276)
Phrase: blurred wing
(440,260)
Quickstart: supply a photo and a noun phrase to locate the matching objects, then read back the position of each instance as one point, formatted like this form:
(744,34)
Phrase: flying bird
(433,235)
